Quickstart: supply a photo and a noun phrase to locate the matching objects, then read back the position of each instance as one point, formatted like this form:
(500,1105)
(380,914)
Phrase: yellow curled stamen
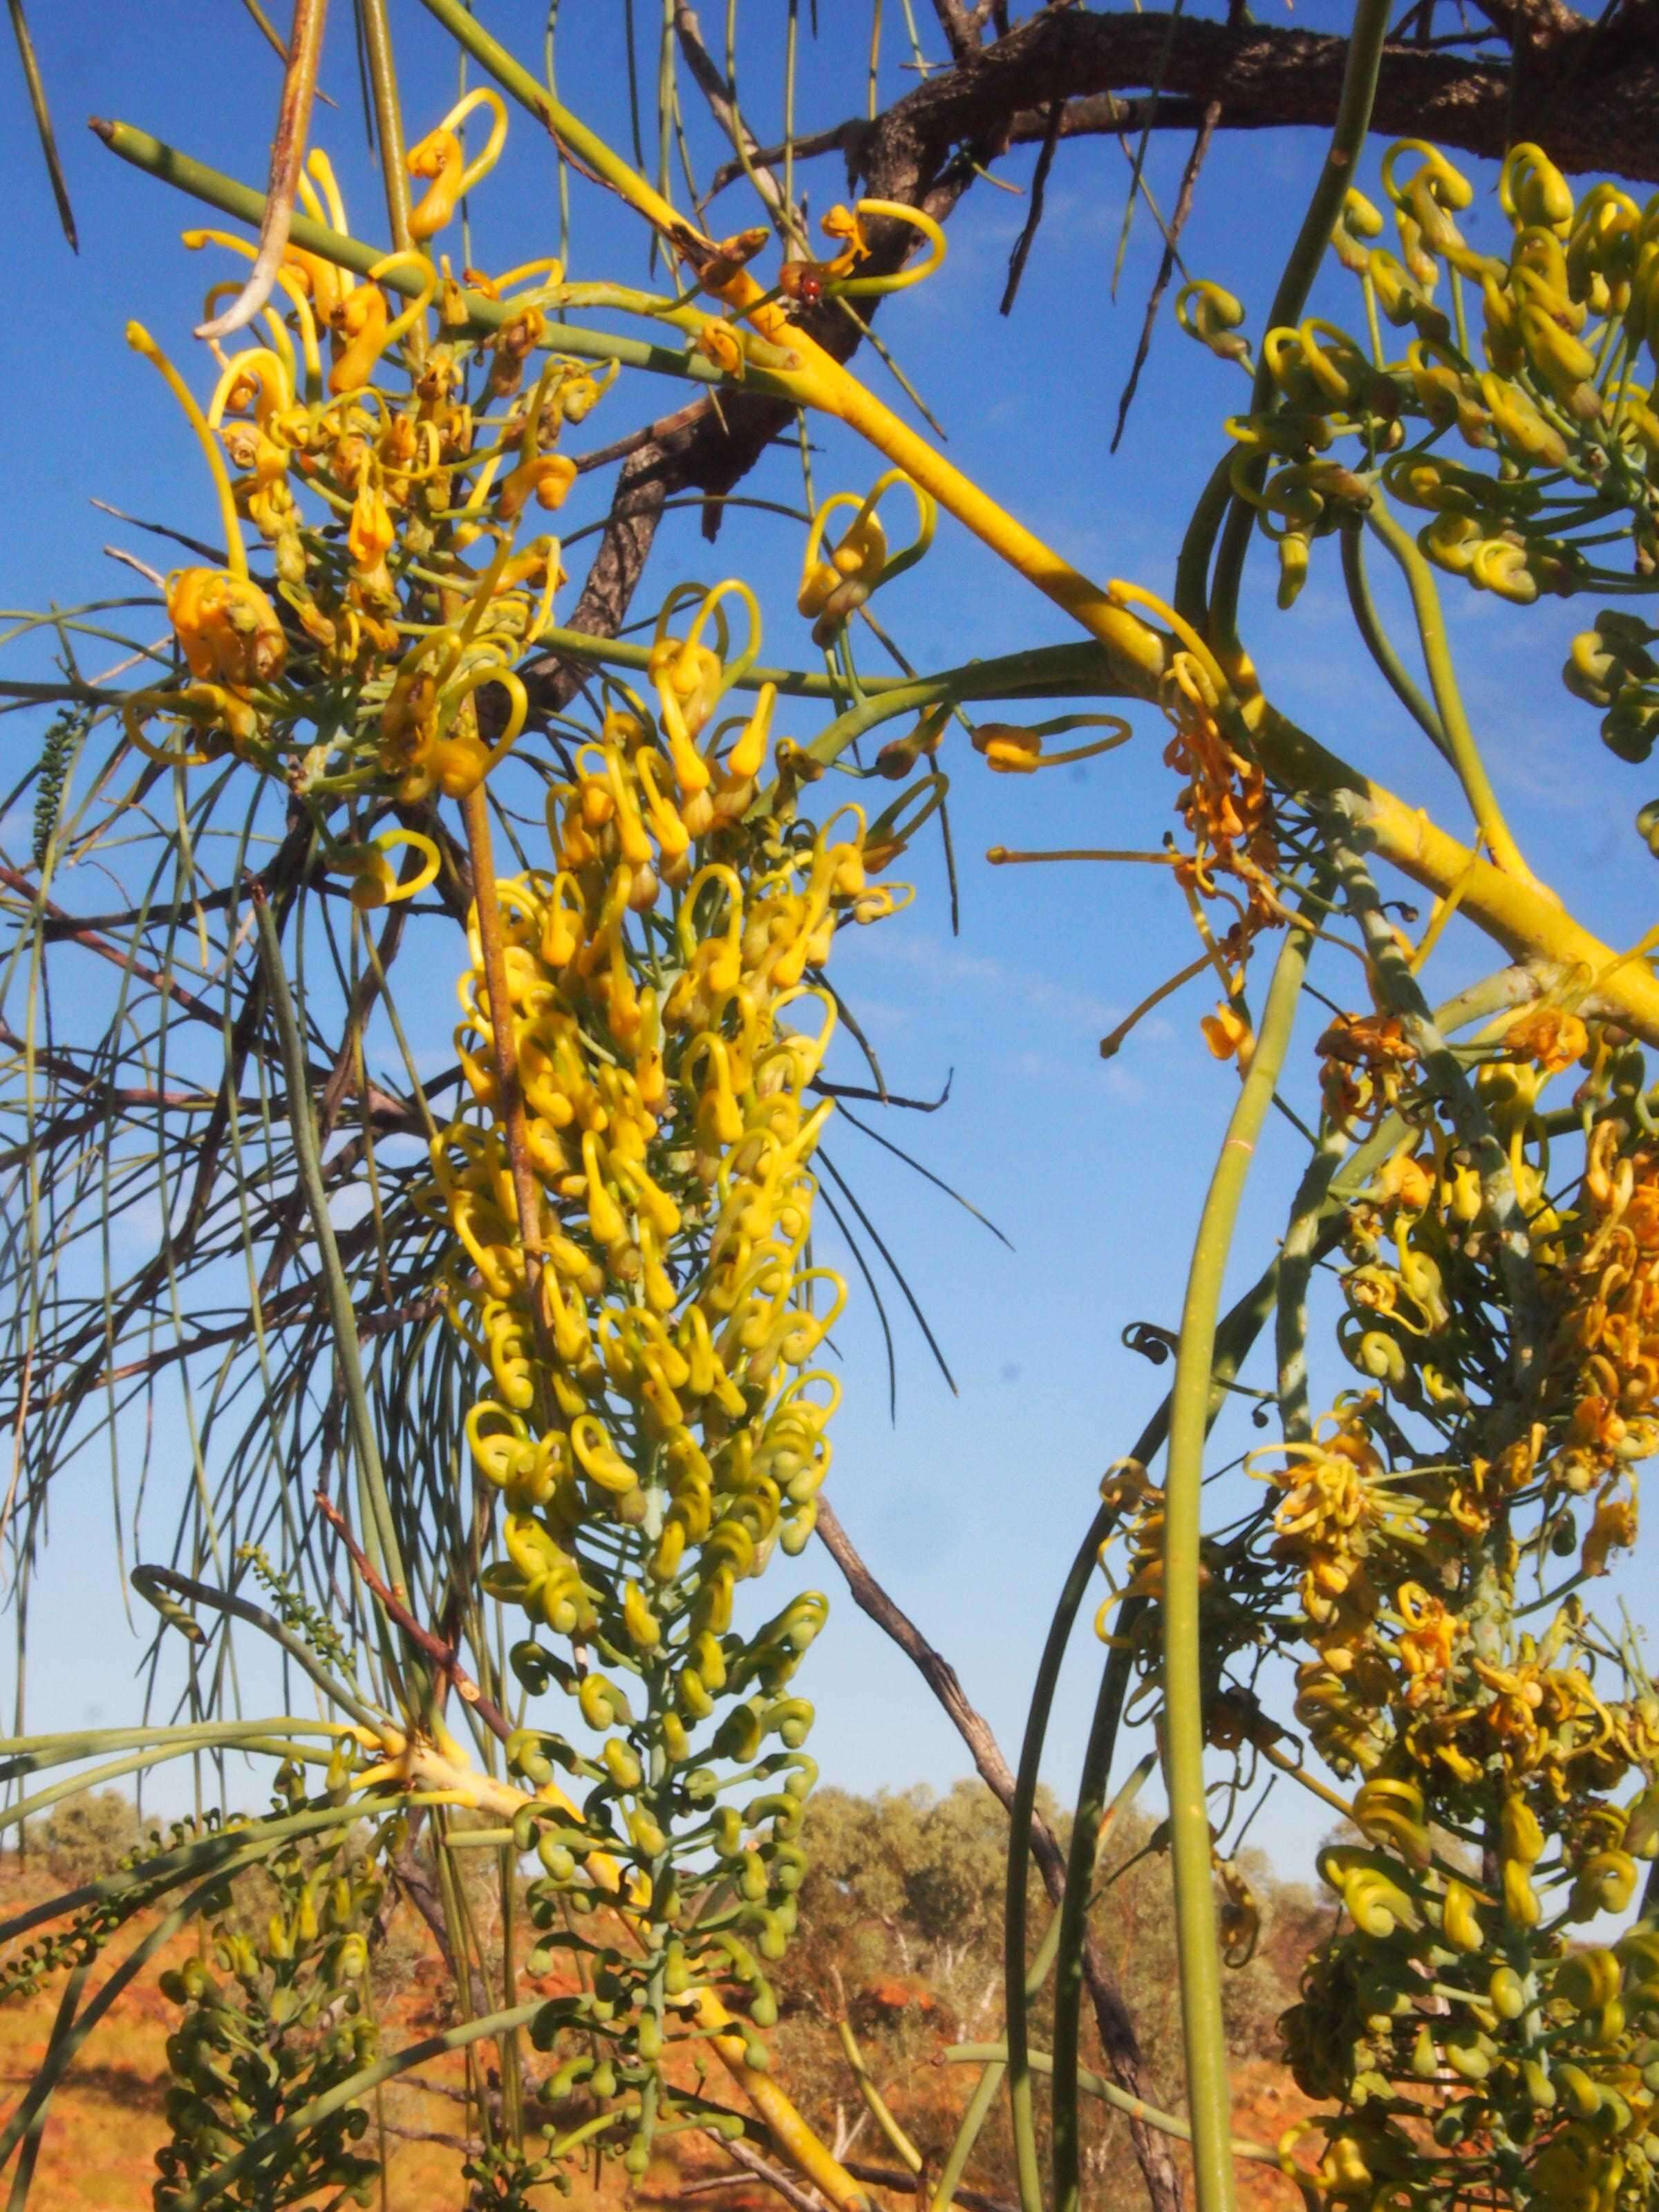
(439,156)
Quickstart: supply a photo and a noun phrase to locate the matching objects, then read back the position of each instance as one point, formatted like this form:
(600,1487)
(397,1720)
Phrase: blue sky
(970,1505)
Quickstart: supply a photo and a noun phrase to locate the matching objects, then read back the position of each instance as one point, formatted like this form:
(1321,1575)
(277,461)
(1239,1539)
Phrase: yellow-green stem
(1200,1950)
(388,119)
(1464,753)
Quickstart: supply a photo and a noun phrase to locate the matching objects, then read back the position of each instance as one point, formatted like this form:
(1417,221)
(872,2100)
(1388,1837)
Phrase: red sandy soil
(105,2123)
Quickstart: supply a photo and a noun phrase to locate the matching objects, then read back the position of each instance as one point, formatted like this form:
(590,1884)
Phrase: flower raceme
(1548,383)
(627,1196)
(1506,1797)
(653,1421)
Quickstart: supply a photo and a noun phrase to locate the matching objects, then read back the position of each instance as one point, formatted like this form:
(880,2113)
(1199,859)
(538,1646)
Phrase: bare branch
(722,99)
(1118,2039)
(741,2154)
(1183,207)
(287,154)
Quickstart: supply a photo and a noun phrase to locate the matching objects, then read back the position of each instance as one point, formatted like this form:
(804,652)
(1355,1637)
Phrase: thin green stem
(1234,1339)
(336,1290)
(1353,116)
(1399,991)
(967,2133)
(166,1580)
(1295,1265)
(1193,568)
(1460,746)
(989,2054)
(1073,1932)
(388,117)
(1376,639)
(1200,1950)
(578,141)
(157,159)
(1043,671)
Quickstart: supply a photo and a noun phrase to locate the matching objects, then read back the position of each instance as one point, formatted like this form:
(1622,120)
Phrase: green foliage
(271,2020)
(89,1836)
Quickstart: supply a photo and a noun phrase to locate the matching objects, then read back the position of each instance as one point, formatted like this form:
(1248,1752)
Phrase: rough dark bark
(1584,90)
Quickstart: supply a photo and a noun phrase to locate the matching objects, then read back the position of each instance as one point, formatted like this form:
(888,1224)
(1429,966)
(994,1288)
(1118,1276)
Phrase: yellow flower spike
(807,1054)
(1588,1980)
(359,324)
(137,710)
(1446,392)
(643,1628)
(378,882)
(1401,298)
(722,343)
(1605,1883)
(691,771)
(500,1453)
(1523,1839)
(1433,189)
(1359,219)
(1010,747)
(470,759)
(320,192)
(1521,1901)
(1531,190)
(841,223)
(1390,1812)
(550,270)
(371,534)
(870,287)
(1499,565)
(819,577)
(439,156)
(1213,316)
(227,627)
(362,333)
(835,585)
(719,957)
(293,281)
(548,476)
(728,668)
(563,920)
(604,1216)
(1564,363)
(1343,2169)
(1343,373)
(1507,1993)
(610,796)
(581,391)
(673,838)
(717,1104)
(567,1321)
(1284,354)
(1127,595)
(1612,1528)
(603,1705)
(598,1457)
(748,756)
(1458,1917)
(258,378)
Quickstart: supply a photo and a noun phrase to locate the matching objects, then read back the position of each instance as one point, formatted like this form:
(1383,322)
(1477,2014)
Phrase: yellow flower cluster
(1490,1762)
(1549,382)
(382,667)
(632,1199)
(1607,1345)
